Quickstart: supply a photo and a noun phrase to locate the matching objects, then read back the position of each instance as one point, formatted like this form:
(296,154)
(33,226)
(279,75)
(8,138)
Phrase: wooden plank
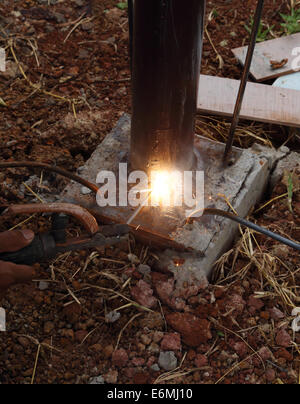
(275,49)
(262,102)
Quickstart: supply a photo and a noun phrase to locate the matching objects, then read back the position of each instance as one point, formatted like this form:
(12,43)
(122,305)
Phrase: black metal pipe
(167,48)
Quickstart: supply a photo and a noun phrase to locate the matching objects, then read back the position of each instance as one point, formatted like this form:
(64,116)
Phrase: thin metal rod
(239,101)
(253,226)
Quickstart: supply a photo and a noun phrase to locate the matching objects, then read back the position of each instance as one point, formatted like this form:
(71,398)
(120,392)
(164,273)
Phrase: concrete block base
(189,251)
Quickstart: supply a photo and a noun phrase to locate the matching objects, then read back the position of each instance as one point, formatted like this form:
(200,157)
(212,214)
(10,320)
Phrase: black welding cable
(211,212)
(253,226)
(47,167)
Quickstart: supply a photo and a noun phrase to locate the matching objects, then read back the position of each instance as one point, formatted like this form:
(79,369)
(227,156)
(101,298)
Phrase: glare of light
(162,184)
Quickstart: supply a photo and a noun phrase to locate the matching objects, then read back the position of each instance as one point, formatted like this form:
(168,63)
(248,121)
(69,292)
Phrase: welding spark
(161,188)
(160,192)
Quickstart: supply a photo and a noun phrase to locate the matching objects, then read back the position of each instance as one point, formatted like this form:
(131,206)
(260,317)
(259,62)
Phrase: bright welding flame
(162,187)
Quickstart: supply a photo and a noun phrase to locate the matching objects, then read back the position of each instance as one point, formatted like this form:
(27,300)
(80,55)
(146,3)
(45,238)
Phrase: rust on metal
(167,48)
(80,213)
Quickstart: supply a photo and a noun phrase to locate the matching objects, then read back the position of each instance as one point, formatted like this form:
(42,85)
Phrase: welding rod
(253,226)
(239,101)
(32,164)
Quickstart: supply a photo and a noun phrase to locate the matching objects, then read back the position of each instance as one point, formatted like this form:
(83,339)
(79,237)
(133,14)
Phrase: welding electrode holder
(43,246)
(46,246)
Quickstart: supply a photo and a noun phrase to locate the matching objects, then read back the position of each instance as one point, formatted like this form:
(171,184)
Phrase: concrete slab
(189,251)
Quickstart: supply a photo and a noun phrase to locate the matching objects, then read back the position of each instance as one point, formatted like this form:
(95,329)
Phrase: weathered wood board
(275,49)
(261,103)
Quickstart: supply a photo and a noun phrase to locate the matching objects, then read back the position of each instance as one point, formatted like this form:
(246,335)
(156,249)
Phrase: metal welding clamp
(46,246)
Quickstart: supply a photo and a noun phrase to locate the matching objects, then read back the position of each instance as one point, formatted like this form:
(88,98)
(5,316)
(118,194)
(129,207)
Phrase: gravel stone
(167,360)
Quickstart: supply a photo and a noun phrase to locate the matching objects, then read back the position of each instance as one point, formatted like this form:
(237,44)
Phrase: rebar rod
(244,80)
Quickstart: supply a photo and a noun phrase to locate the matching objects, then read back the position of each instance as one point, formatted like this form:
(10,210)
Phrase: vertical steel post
(167,49)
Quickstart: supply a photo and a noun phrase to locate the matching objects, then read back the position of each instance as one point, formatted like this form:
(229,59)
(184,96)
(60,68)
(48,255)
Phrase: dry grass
(247,133)
(278,280)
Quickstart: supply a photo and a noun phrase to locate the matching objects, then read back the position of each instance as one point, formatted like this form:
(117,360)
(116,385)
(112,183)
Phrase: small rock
(112,317)
(276,314)
(265,315)
(133,259)
(140,347)
(96,380)
(143,294)
(152,321)
(194,331)
(153,348)
(165,288)
(289,163)
(141,378)
(283,338)
(155,367)
(151,361)
(265,353)
(120,358)
(43,285)
(60,18)
(144,270)
(48,327)
(68,334)
(16,14)
(138,361)
(254,303)
(114,14)
(87,26)
(111,377)
(201,361)
(129,372)
(79,3)
(281,251)
(146,340)
(167,361)
(283,353)
(158,336)
(171,342)
(237,303)
(270,375)
(240,348)
(86,191)
(11,70)
(191,355)
(72,312)
(108,351)
(23,342)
